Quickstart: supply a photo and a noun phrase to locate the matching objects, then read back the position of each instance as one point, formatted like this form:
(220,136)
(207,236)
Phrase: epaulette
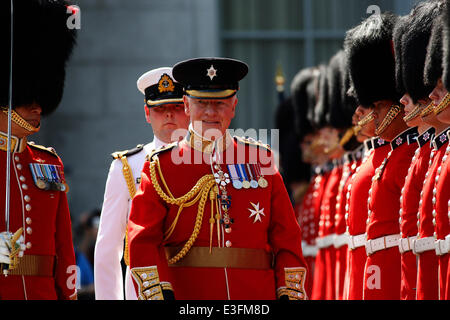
(50,150)
(127,153)
(170,146)
(251,141)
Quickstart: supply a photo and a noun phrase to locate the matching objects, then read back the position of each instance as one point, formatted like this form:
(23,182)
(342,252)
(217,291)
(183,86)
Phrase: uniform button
(434,222)
(434,213)
(28,220)
(346,216)
(28,207)
(143,276)
(367,221)
(228,243)
(24,187)
(27,198)
(29,245)
(22,178)
(16,158)
(19,166)
(29,230)
(400,220)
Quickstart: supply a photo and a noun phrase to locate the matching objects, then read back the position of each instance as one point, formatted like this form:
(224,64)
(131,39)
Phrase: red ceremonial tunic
(356,207)
(327,228)
(318,286)
(441,211)
(408,213)
(351,161)
(382,270)
(427,269)
(45,219)
(263,220)
(319,290)
(308,224)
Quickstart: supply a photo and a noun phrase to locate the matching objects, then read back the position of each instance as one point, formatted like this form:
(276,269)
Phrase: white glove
(6,247)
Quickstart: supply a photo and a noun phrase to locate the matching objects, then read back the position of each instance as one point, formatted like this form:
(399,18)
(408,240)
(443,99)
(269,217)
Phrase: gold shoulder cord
(128,175)
(205,186)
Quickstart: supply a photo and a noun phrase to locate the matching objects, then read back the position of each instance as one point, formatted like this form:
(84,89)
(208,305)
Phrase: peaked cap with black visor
(210,78)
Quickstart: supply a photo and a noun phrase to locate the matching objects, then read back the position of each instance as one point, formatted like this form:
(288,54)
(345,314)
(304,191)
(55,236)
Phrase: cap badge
(165,84)
(211,72)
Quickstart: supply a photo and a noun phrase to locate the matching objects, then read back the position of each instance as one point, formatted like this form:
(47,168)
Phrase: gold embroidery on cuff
(147,279)
(295,284)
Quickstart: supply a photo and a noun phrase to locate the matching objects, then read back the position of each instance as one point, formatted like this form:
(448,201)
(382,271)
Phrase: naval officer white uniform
(165,112)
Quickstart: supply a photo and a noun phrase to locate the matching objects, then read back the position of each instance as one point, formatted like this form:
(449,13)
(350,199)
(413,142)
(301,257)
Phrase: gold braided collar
(388,119)
(17,145)
(415,112)
(199,143)
(21,122)
(443,105)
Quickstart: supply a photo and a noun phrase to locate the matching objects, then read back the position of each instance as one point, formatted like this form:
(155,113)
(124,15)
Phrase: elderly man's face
(210,117)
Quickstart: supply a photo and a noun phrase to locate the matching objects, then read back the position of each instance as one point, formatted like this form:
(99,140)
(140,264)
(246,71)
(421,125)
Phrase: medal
(262,182)
(48,177)
(243,175)
(41,184)
(236,181)
(253,183)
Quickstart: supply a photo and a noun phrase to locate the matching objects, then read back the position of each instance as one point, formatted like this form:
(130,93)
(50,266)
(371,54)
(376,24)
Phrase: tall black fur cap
(321,108)
(416,36)
(446,45)
(313,91)
(301,99)
(399,31)
(370,59)
(434,59)
(348,99)
(338,116)
(43,44)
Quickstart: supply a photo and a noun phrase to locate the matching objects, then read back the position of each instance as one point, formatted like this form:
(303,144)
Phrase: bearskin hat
(339,116)
(42,44)
(321,108)
(433,62)
(397,35)
(446,45)
(370,59)
(416,36)
(301,100)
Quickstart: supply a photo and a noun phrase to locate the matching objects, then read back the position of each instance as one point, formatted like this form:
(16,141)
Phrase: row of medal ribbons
(48,176)
(246,175)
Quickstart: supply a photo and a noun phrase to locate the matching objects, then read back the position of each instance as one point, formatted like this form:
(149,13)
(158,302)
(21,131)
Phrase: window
(293,34)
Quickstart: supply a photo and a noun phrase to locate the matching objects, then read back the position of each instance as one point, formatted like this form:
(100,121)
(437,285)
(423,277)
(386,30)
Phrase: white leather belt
(356,241)
(441,247)
(340,240)
(381,243)
(423,244)
(309,250)
(325,242)
(406,244)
